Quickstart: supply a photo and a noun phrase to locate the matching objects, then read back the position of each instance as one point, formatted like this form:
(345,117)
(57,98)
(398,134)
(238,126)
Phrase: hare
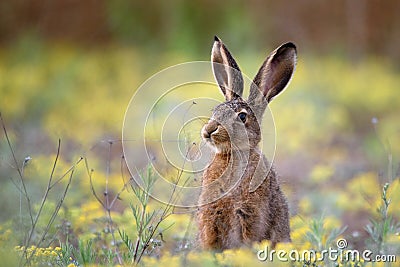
(232,212)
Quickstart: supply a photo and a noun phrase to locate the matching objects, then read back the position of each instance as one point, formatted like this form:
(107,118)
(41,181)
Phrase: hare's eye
(242,116)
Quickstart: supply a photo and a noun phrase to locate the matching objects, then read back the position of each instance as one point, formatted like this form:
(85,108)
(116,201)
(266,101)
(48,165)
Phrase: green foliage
(87,255)
(147,221)
(383,227)
(66,253)
(320,237)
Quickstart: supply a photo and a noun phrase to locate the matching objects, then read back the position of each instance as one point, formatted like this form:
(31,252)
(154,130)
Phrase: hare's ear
(273,76)
(226,71)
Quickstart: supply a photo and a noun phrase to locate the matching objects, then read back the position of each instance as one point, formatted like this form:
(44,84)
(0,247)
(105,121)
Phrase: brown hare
(232,211)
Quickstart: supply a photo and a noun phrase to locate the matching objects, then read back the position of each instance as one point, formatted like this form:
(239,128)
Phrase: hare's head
(235,124)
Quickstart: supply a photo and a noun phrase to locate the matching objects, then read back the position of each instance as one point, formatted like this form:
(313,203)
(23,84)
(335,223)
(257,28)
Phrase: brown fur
(242,217)
(230,214)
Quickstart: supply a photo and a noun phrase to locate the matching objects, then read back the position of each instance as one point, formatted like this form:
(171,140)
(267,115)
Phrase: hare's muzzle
(209,129)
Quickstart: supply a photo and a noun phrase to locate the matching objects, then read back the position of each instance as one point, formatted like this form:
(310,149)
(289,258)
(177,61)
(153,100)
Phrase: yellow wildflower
(305,205)
(321,173)
(331,222)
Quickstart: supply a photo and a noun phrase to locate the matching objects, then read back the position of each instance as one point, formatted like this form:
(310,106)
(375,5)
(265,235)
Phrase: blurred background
(352,28)
(68,69)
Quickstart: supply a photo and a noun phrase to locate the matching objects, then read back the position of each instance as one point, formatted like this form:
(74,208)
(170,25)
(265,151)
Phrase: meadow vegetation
(69,200)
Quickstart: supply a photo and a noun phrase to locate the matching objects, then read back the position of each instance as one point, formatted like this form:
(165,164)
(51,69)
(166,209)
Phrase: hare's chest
(225,221)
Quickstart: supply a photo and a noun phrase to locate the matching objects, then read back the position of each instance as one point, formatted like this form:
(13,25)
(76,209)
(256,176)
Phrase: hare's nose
(209,129)
(205,134)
